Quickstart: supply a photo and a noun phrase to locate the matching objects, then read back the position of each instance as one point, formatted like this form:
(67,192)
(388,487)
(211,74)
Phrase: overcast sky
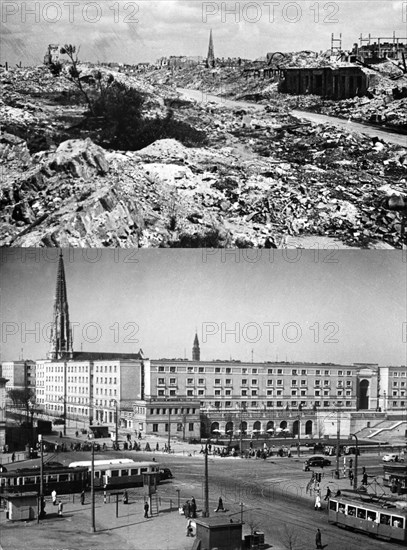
(144,30)
(342,306)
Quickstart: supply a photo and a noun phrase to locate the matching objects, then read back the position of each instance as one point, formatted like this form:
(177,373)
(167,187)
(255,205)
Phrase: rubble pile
(263,176)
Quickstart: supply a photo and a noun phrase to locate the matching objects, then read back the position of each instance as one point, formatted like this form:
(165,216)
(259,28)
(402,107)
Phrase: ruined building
(333,83)
(52,55)
(376,50)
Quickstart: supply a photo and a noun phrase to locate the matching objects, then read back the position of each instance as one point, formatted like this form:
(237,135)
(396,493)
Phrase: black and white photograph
(188,124)
(186,399)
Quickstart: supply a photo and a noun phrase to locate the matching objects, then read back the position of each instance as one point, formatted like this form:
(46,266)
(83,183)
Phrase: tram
(122,473)
(62,479)
(381,520)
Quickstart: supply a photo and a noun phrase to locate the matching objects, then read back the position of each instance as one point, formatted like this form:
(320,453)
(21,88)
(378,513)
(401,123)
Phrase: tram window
(114,473)
(125,472)
(134,472)
(143,470)
(351,510)
(52,478)
(28,480)
(361,513)
(63,477)
(341,509)
(332,505)
(397,521)
(371,516)
(384,519)
(97,474)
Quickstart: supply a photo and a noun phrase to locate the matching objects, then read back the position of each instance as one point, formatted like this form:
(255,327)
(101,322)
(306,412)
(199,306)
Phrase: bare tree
(290,538)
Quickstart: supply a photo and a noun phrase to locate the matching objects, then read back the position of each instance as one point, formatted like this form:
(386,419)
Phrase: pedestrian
(60,508)
(187,509)
(125,497)
(351,477)
(220,505)
(104,496)
(146,508)
(54,497)
(13,457)
(364,478)
(328,493)
(193,508)
(83,497)
(317,505)
(189,528)
(350,463)
(318,539)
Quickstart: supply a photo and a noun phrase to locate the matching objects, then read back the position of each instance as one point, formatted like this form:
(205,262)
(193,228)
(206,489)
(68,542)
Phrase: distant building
(210,59)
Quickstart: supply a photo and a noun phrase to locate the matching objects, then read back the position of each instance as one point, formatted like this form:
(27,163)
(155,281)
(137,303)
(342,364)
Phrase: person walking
(125,497)
(54,497)
(351,477)
(220,505)
(193,508)
(318,539)
(328,493)
(146,509)
(83,497)
(60,508)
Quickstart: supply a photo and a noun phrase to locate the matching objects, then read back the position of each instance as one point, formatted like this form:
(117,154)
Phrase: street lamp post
(169,429)
(116,437)
(338,439)
(205,513)
(355,475)
(92,489)
(63,399)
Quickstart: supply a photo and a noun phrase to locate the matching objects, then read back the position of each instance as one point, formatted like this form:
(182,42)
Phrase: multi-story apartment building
(20,374)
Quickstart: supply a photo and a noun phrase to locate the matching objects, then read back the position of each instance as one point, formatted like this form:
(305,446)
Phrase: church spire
(61,334)
(210,60)
(196,352)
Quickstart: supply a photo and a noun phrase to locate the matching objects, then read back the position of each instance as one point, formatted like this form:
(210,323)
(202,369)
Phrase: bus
(382,520)
(123,473)
(63,479)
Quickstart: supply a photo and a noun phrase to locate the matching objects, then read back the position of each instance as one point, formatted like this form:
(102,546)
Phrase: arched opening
(243,427)
(283,424)
(270,425)
(295,427)
(229,428)
(257,426)
(364,394)
(308,427)
(215,428)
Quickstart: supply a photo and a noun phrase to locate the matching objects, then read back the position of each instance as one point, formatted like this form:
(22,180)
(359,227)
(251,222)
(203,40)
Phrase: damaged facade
(52,55)
(333,83)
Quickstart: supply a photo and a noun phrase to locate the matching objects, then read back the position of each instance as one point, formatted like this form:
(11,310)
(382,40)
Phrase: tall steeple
(196,352)
(61,333)
(210,60)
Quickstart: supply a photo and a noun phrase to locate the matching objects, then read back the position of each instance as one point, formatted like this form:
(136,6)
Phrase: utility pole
(299,431)
(205,513)
(355,475)
(117,426)
(241,430)
(338,439)
(92,489)
(40,512)
(169,429)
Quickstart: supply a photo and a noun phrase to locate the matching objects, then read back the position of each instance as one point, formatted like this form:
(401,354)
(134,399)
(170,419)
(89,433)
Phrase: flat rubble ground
(261,178)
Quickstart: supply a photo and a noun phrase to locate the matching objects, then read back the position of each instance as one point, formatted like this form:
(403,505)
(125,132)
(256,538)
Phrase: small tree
(75,73)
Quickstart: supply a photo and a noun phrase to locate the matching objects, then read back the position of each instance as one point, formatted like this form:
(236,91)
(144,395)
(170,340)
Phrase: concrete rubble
(261,177)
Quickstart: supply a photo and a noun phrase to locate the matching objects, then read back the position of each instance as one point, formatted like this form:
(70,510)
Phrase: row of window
(245,370)
(253,382)
(180,427)
(278,404)
(105,380)
(106,368)
(253,393)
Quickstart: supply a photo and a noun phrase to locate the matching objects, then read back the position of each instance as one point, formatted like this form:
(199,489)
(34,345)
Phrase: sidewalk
(130,530)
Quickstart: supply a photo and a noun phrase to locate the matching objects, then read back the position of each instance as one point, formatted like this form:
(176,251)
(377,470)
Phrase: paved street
(273,493)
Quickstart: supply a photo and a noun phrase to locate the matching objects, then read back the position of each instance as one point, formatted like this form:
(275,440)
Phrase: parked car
(165,473)
(316,461)
(392,457)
